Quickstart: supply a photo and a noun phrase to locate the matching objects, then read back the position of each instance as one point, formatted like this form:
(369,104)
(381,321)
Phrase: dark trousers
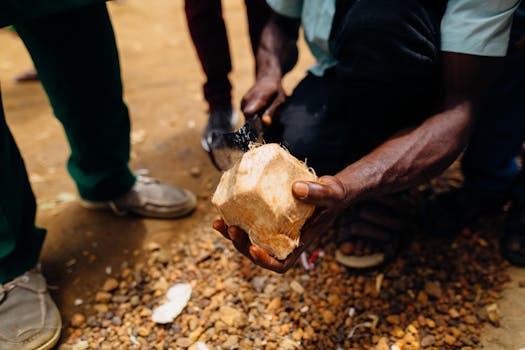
(77,62)
(490,163)
(387,78)
(208,33)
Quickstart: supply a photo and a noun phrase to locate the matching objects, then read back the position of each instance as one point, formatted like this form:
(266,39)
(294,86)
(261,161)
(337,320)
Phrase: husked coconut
(256,195)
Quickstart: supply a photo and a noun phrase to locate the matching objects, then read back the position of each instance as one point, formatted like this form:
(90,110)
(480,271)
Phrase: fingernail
(267,120)
(300,189)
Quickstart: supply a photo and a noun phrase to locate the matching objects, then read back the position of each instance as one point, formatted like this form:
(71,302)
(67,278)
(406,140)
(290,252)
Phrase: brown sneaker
(29,319)
(150,198)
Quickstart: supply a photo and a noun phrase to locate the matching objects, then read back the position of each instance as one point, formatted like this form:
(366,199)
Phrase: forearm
(409,157)
(277,53)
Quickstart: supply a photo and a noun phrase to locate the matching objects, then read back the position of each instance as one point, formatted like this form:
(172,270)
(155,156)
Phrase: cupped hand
(265,96)
(328,195)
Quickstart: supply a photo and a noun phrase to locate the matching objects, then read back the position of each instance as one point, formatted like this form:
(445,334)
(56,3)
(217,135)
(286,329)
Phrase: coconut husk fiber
(256,195)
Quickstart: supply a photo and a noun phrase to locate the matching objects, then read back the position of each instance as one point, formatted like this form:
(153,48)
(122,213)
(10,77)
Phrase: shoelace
(6,287)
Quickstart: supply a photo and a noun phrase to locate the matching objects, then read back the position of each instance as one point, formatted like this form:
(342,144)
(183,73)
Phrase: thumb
(318,194)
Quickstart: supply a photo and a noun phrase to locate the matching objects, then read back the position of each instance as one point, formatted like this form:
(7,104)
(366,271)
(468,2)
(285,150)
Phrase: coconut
(256,195)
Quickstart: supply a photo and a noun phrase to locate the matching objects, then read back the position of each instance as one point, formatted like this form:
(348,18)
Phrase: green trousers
(77,62)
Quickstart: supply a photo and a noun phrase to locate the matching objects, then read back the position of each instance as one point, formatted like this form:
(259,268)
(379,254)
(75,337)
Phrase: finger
(267,119)
(317,194)
(255,104)
(240,240)
(270,111)
(263,259)
(221,227)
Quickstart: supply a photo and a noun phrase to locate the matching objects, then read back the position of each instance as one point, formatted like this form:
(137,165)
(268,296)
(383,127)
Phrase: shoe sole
(233,122)
(50,344)
(360,262)
(192,205)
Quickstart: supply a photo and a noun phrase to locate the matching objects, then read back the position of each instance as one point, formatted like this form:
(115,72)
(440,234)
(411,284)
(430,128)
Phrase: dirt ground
(162,80)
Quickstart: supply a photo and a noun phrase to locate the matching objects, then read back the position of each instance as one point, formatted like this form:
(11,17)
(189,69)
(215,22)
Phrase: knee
(387,38)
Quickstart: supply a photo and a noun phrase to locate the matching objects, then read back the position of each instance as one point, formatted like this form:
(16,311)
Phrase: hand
(328,195)
(266,95)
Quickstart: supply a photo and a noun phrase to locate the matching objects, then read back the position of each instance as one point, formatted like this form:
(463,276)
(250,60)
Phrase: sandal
(512,240)
(372,234)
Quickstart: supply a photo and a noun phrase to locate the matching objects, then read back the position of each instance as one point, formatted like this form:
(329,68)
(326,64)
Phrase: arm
(419,153)
(276,56)
(403,160)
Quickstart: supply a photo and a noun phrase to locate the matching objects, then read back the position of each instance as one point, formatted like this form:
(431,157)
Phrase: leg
(208,33)
(20,241)
(258,13)
(77,61)
(490,162)
(386,79)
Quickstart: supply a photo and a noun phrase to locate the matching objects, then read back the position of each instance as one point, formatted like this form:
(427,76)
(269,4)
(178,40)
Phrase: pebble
(427,341)
(449,339)
(232,342)
(184,342)
(393,319)
(103,297)
(433,289)
(77,320)
(110,285)
(232,317)
(297,287)
(135,300)
(287,344)
(382,344)
(195,171)
(493,314)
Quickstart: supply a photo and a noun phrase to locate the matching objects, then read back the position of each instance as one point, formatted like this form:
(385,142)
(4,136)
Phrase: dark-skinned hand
(328,195)
(265,96)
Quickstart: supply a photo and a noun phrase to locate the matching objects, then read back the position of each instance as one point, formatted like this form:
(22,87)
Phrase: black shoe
(221,121)
(450,212)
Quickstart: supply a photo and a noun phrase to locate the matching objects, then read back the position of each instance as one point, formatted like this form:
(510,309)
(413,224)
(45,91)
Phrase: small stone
(232,317)
(431,323)
(397,333)
(287,344)
(449,339)
(117,321)
(77,320)
(195,171)
(110,285)
(152,246)
(103,297)
(258,283)
(101,308)
(382,344)
(493,314)
(393,319)
(328,317)
(433,289)
(143,331)
(274,304)
(232,342)
(453,313)
(297,287)
(427,341)
(135,300)
(161,257)
(184,342)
